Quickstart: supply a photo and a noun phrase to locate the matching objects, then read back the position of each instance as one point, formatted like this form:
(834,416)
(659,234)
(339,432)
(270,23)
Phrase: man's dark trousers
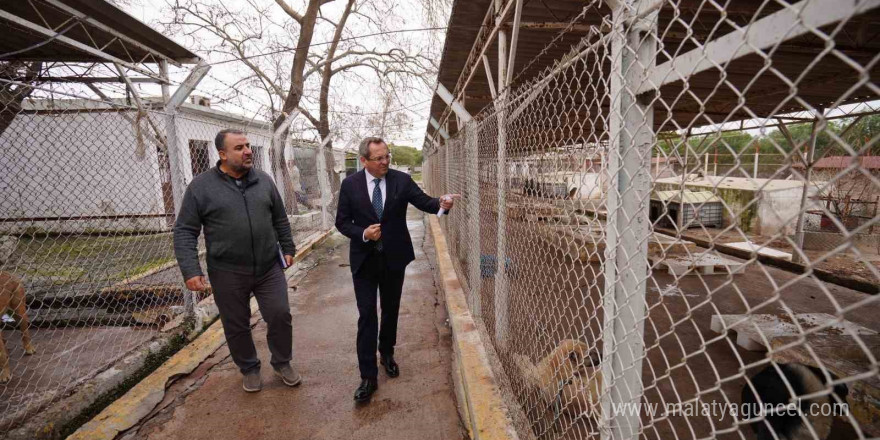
(375,274)
(232,296)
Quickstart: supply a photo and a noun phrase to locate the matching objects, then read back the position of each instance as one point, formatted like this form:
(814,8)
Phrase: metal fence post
(175,159)
(472,176)
(177,149)
(176,162)
(625,270)
(501,292)
(809,159)
(446,157)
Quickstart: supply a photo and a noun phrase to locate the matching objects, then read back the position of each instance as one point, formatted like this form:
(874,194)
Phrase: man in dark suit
(372,213)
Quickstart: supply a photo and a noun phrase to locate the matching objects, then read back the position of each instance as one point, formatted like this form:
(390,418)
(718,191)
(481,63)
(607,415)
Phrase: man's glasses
(380,158)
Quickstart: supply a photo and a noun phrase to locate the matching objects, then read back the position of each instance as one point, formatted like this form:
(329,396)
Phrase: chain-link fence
(87,268)
(669,232)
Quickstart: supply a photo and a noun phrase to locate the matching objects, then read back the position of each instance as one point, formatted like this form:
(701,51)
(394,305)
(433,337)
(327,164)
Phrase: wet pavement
(420,404)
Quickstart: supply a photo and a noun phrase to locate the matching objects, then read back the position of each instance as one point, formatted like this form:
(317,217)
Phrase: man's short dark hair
(364,148)
(221,136)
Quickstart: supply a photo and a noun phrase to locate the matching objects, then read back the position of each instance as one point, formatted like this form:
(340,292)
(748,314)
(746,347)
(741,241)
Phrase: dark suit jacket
(355,213)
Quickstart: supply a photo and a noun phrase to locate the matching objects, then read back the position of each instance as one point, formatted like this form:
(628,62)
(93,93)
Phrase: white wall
(778,210)
(199,127)
(85,164)
(77,164)
(589,186)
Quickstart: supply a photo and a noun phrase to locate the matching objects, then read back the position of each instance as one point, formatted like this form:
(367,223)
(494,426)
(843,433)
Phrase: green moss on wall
(736,201)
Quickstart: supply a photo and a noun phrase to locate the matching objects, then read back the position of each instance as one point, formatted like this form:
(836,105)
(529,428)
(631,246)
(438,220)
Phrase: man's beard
(241,167)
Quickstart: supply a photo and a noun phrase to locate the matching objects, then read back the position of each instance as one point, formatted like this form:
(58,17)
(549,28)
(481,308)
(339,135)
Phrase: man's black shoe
(366,390)
(390,366)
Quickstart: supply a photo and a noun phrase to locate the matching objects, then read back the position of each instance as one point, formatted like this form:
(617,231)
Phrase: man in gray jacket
(245,222)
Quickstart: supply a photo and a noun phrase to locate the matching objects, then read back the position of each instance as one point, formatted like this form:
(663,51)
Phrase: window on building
(198,154)
(258,156)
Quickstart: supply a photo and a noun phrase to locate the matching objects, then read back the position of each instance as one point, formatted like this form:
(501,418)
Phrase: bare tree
(262,35)
(850,195)
(12,94)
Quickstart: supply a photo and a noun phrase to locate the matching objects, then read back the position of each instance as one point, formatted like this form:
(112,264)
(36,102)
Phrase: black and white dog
(786,412)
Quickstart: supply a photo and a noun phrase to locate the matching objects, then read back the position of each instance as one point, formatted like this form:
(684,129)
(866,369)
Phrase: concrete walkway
(420,404)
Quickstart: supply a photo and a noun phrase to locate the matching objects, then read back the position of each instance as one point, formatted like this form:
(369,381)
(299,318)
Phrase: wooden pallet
(756,332)
(752,247)
(703,264)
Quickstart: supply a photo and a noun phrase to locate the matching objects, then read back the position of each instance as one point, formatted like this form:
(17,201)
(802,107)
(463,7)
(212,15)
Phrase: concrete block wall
(825,241)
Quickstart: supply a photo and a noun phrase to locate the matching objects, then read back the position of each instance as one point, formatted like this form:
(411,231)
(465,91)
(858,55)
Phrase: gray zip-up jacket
(243,225)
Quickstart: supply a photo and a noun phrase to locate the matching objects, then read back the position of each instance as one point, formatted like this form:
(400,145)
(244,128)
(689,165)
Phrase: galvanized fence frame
(92,185)
(549,273)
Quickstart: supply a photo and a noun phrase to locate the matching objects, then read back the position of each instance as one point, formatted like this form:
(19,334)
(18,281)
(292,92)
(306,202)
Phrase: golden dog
(567,375)
(12,298)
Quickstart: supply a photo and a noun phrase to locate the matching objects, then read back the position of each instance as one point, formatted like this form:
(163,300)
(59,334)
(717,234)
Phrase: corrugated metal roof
(16,38)
(690,197)
(747,88)
(155,102)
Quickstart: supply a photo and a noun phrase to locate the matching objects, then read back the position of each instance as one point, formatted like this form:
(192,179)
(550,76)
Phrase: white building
(755,206)
(74,166)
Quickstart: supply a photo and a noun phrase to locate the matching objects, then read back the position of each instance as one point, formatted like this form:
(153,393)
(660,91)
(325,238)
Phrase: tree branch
(290,11)
(323,102)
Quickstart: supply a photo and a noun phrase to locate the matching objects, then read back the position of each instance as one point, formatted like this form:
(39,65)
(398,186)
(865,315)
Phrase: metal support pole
(757,152)
(631,135)
(176,146)
(706,163)
(446,157)
(176,160)
(517,19)
(715,162)
(163,72)
(657,166)
(492,90)
(808,168)
(501,285)
(458,107)
(177,149)
(443,133)
(473,211)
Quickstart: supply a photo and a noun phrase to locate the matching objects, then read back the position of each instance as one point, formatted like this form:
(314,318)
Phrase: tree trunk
(294,95)
(324,103)
(11,95)
(279,165)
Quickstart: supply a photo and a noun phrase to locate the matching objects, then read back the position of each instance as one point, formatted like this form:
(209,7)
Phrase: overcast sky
(407,15)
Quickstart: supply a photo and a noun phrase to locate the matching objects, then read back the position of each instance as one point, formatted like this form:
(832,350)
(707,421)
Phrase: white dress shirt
(371,186)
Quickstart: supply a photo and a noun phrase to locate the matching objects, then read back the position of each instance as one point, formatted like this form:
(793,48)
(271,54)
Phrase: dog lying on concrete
(807,418)
(567,378)
(12,299)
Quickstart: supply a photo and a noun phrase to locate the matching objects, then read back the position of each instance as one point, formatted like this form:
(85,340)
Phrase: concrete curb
(138,402)
(46,421)
(482,409)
